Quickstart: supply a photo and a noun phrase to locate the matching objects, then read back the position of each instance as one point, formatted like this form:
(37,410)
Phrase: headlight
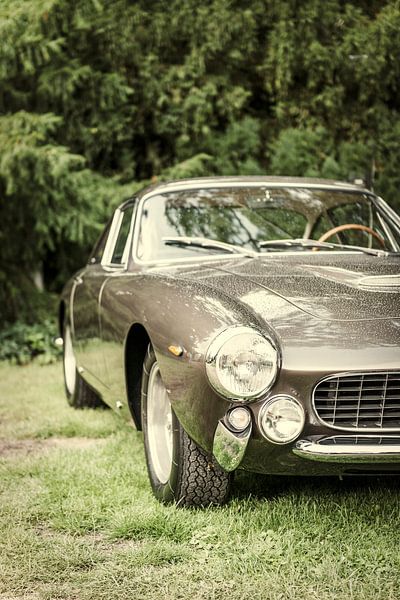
(281,419)
(241,363)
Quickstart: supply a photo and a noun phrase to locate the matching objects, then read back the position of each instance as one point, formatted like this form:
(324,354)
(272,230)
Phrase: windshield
(247,217)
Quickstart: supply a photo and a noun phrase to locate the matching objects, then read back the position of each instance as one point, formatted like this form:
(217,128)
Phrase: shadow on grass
(269,487)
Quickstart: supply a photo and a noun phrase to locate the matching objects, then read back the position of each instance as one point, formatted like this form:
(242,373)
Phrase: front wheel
(179,471)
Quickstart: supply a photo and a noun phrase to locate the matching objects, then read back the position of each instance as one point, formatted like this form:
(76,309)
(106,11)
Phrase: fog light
(281,419)
(239,418)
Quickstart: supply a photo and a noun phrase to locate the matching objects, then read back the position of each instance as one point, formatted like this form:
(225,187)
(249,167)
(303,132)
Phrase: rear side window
(98,250)
(120,251)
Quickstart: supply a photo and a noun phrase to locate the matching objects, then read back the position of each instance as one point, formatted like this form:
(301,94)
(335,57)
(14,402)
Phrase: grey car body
(332,314)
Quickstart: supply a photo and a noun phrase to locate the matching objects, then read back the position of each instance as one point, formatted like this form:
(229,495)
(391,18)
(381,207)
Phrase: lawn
(78,520)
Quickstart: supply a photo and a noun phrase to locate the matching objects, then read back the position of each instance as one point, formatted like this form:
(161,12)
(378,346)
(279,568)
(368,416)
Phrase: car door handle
(78,279)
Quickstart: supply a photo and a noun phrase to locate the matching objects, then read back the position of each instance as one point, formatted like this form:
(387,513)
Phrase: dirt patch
(96,539)
(8,447)
(25,447)
(78,443)
(30,596)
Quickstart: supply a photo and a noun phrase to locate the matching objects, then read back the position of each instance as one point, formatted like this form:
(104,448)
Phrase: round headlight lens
(241,363)
(282,419)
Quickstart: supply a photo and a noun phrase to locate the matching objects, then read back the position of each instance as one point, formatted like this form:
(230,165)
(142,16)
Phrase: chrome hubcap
(69,362)
(159,425)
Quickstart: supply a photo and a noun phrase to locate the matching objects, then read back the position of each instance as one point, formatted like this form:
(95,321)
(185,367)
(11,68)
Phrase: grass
(78,521)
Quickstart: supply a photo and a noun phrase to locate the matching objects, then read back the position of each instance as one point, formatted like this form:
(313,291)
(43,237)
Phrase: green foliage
(312,153)
(196,166)
(304,153)
(21,343)
(48,199)
(97,98)
(387,164)
(237,150)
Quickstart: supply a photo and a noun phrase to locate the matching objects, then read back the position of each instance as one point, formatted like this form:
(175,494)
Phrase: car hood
(344,287)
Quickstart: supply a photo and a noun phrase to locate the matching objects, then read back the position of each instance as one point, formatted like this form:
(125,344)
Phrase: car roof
(237,181)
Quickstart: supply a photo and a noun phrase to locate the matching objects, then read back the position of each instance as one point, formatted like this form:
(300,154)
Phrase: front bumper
(317,455)
(320,449)
(230,446)
(350,449)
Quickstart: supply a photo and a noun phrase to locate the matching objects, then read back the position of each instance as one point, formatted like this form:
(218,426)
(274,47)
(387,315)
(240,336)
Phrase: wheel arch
(136,344)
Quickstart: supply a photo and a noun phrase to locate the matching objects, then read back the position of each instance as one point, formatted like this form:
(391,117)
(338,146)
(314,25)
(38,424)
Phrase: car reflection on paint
(243,323)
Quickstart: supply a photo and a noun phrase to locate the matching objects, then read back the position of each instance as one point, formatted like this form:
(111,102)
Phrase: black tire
(195,479)
(79,393)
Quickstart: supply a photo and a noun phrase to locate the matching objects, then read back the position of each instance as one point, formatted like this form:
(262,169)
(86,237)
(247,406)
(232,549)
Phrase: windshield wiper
(307,243)
(199,242)
(289,243)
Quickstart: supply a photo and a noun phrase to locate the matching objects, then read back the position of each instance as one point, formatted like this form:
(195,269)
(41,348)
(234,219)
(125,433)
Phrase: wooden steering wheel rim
(346,226)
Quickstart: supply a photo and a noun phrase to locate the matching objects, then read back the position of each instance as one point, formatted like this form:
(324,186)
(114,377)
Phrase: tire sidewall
(194,479)
(71,396)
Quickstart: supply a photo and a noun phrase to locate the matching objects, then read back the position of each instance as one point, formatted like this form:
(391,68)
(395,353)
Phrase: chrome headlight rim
(265,407)
(214,348)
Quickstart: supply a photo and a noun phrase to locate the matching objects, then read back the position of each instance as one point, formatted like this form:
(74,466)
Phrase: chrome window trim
(112,240)
(387,231)
(166,264)
(125,254)
(388,210)
(227,256)
(352,429)
(213,183)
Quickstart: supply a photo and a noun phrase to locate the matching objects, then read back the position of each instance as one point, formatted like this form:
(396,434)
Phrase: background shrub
(98,98)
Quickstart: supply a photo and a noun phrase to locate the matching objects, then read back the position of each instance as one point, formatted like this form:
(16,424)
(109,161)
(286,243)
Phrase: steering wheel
(346,226)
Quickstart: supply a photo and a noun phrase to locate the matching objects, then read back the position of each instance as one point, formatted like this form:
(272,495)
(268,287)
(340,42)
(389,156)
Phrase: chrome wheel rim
(69,362)
(159,425)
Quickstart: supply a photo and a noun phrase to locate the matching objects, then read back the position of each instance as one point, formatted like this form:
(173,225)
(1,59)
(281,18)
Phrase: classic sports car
(243,322)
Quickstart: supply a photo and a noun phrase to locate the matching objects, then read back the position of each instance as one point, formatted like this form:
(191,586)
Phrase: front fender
(175,312)
(191,321)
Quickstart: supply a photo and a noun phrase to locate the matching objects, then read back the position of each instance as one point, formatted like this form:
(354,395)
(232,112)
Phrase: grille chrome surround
(365,402)
(342,449)
(360,440)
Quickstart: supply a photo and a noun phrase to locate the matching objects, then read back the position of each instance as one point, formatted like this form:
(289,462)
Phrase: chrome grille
(360,400)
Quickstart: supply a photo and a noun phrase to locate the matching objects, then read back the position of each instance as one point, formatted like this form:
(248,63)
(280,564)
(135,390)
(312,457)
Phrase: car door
(116,308)
(86,328)
(108,258)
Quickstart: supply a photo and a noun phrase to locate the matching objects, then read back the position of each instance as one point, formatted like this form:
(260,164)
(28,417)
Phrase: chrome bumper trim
(229,447)
(348,453)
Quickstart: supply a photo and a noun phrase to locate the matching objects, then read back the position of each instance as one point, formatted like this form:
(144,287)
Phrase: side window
(120,251)
(97,252)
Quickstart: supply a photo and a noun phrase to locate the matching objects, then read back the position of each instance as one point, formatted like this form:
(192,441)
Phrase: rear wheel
(79,393)
(179,471)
